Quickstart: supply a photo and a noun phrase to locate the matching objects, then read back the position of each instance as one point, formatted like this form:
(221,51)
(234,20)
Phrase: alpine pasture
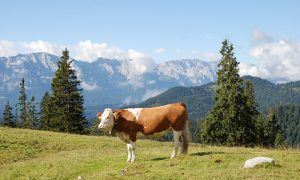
(31,154)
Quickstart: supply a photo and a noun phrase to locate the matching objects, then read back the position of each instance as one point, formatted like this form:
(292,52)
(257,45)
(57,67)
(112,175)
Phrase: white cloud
(160,50)
(89,87)
(41,46)
(253,70)
(280,59)
(138,63)
(7,48)
(88,51)
(210,56)
(151,93)
(259,37)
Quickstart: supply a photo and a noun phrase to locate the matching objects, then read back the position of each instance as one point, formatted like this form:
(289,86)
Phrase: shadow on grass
(205,153)
(159,158)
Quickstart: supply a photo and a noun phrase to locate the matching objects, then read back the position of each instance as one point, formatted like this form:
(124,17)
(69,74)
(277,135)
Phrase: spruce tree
(271,129)
(32,114)
(23,108)
(66,100)
(251,114)
(227,122)
(16,116)
(8,118)
(250,99)
(45,112)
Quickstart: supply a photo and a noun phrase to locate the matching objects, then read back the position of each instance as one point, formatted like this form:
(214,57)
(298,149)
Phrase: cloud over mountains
(277,59)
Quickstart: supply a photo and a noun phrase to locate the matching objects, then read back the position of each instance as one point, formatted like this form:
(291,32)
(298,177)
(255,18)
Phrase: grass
(28,154)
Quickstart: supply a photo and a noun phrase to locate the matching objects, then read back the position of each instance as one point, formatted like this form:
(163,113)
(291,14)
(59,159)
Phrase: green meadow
(30,154)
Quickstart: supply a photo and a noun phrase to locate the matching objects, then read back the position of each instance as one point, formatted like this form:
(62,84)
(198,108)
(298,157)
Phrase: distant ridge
(199,99)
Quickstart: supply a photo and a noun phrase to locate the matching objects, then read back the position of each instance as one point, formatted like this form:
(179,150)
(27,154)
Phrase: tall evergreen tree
(45,112)
(66,100)
(271,129)
(32,114)
(16,116)
(23,108)
(250,99)
(251,113)
(227,122)
(8,118)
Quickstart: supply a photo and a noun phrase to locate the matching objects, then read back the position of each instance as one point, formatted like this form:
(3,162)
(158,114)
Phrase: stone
(251,163)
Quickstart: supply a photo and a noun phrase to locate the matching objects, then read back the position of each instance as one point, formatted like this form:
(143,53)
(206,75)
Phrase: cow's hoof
(173,156)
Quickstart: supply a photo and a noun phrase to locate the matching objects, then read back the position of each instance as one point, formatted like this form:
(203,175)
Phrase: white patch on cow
(106,113)
(135,111)
(107,119)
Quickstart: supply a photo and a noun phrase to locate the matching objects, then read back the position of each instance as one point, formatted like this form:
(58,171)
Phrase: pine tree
(66,100)
(8,118)
(271,129)
(16,116)
(23,108)
(251,113)
(32,114)
(45,112)
(227,123)
(250,99)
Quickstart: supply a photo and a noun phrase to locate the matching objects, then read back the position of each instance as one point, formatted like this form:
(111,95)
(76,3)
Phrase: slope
(28,154)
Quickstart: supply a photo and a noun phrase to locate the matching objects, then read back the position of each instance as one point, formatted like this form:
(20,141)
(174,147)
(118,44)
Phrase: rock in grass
(80,178)
(250,163)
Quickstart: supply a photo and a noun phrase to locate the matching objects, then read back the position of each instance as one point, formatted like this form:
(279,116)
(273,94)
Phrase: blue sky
(162,30)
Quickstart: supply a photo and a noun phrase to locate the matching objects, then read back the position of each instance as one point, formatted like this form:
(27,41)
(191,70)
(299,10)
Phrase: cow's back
(161,118)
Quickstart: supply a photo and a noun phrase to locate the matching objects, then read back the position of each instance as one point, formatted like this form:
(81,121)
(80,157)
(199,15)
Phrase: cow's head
(107,119)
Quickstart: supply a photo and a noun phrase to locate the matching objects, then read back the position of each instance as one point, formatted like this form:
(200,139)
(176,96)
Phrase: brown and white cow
(128,122)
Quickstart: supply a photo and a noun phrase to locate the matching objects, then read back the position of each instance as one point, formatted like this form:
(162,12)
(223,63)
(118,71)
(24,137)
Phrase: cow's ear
(99,115)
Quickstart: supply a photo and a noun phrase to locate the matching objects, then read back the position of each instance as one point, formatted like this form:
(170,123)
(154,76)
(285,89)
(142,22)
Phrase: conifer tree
(250,99)
(32,114)
(45,112)
(16,116)
(227,123)
(8,118)
(23,108)
(251,113)
(271,129)
(66,100)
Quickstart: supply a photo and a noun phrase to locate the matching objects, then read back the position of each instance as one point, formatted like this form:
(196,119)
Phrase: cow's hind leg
(176,135)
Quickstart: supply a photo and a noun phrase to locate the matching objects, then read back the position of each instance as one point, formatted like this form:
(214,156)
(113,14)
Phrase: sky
(265,33)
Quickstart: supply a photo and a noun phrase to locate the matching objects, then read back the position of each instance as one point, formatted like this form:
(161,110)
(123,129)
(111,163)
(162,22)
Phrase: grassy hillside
(28,154)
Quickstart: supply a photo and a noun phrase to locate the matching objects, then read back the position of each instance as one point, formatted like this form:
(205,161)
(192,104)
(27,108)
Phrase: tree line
(61,110)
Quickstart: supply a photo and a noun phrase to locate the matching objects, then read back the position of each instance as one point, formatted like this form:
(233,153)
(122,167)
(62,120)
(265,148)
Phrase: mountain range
(105,82)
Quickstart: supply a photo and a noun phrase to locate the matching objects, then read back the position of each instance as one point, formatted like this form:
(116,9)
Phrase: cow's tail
(185,135)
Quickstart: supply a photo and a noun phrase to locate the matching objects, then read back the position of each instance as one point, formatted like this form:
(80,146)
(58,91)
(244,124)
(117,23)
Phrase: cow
(126,123)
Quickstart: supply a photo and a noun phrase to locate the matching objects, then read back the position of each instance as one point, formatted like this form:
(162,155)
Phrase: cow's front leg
(132,151)
(129,149)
